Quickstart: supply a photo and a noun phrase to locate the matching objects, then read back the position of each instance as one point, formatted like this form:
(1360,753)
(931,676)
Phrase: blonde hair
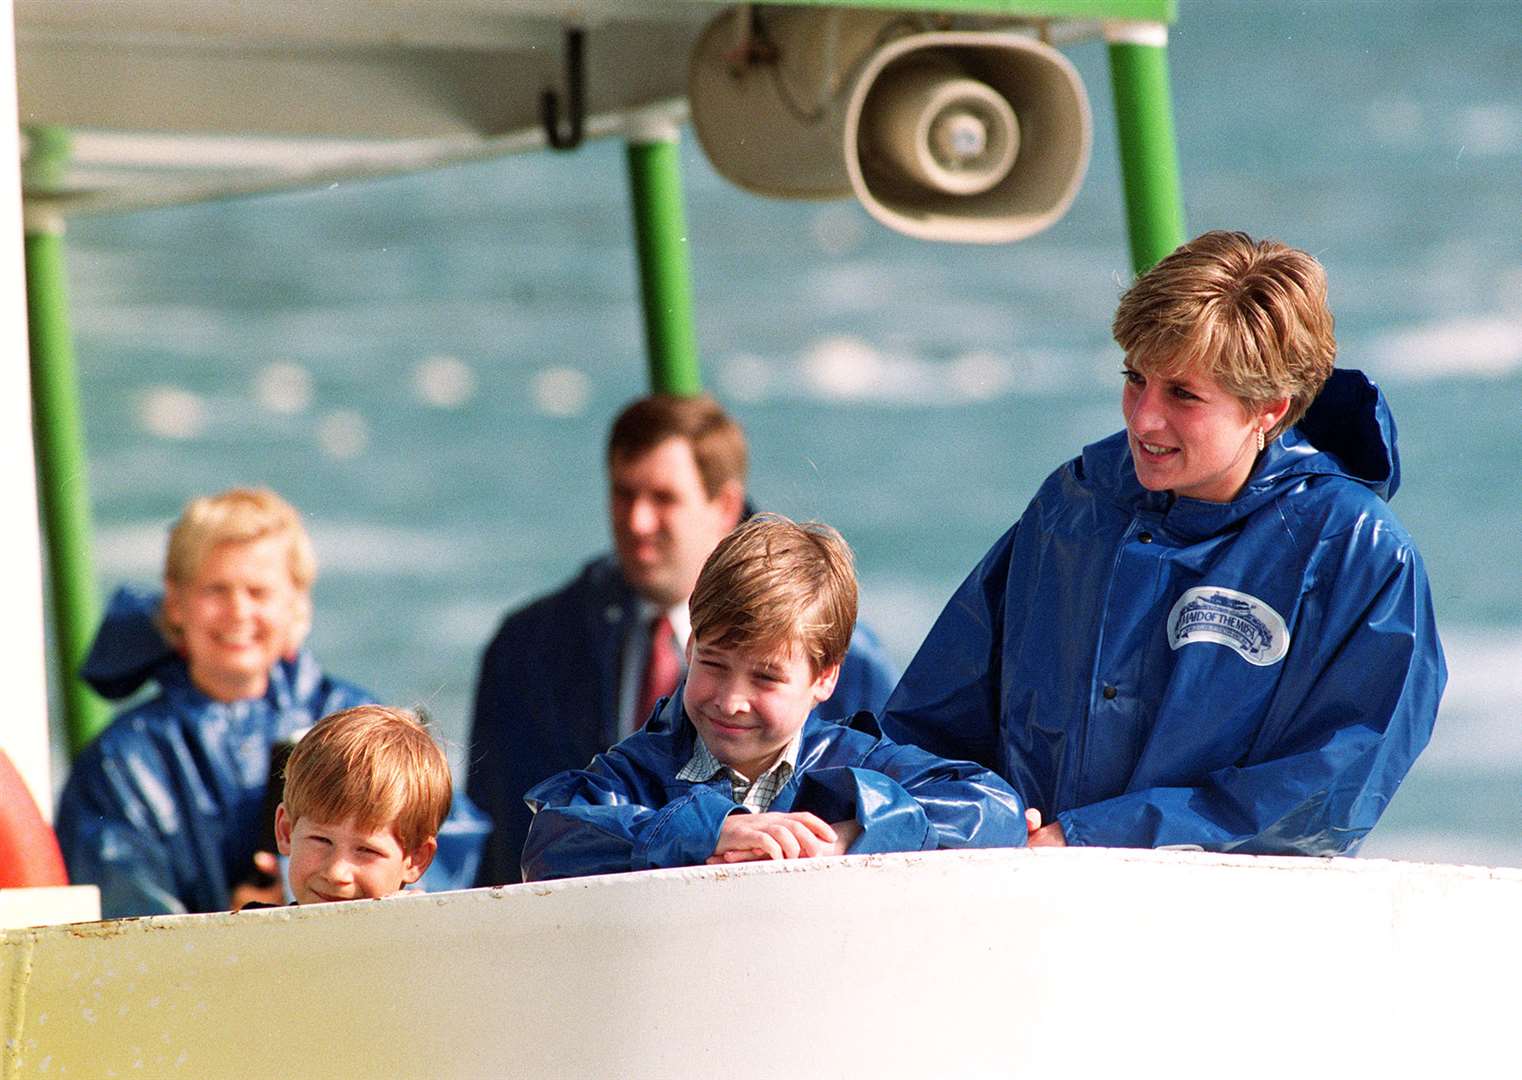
(238,515)
(376,765)
(772,583)
(1251,314)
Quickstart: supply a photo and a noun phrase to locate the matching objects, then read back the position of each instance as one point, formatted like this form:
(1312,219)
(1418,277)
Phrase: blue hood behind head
(1351,420)
(128,649)
(1348,431)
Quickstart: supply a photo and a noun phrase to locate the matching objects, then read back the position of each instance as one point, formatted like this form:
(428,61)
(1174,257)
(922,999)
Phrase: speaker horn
(968,136)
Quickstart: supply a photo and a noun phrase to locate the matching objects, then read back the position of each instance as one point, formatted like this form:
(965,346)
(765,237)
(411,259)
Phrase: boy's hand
(750,837)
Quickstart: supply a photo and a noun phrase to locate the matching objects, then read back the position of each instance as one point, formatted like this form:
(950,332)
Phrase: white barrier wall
(48,904)
(1065,963)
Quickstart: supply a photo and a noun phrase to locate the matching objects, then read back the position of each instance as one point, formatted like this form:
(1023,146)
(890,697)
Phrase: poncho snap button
(1110,693)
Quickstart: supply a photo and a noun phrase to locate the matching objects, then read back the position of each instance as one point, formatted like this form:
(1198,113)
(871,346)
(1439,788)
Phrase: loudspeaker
(967,135)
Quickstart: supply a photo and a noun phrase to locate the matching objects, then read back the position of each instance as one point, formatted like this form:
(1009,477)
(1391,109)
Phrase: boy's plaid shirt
(757,795)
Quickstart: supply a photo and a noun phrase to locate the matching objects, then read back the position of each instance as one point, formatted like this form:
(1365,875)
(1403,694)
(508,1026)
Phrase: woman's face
(238,616)
(1191,436)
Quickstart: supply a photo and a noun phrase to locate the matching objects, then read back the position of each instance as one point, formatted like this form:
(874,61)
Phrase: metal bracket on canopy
(549,103)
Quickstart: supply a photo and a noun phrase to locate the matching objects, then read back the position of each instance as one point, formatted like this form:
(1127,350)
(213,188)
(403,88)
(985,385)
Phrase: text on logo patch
(1227,617)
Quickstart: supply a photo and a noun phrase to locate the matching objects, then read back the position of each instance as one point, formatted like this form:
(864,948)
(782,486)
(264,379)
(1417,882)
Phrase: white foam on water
(343,434)
(745,377)
(443,382)
(855,286)
(849,369)
(838,229)
(466,624)
(561,392)
(183,328)
(843,368)
(1480,720)
(1466,346)
(171,412)
(360,548)
(1490,129)
(284,388)
(1441,846)
(133,551)
(980,376)
(901,612)
(1508,289)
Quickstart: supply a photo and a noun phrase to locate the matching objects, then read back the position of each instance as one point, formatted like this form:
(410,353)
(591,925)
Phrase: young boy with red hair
(365,793)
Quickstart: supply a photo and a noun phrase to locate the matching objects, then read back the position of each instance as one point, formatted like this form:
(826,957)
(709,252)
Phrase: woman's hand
(1039,835)
(846,833)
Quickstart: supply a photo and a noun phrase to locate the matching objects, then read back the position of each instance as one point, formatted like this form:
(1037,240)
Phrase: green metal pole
(665,274)
(61,462)
(1148,153)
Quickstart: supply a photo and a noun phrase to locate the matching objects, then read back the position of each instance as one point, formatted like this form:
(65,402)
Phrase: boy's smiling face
(746,705)
(345,862)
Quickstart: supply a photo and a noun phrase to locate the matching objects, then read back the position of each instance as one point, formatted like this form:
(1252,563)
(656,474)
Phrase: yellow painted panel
(1044,963)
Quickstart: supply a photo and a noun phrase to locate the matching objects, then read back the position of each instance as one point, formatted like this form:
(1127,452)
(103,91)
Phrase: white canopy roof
(169,100)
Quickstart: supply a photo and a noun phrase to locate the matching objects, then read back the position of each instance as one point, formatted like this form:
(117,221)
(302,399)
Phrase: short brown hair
(717,441)
(771,583)
(376,765)
(1252,314)
(238,515)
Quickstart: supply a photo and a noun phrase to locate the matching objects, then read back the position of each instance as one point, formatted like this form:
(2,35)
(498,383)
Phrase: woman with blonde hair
(1208,630)
(164,810)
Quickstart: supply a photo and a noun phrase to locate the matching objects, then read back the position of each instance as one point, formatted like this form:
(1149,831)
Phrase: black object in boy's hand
(274,792)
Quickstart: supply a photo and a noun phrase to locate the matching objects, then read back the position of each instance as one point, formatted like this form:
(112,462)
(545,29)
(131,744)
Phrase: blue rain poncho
(627,810)
(547,698)
(1253,676)
(165,809)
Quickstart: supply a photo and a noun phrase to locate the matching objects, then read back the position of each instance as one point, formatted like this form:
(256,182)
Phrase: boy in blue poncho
(735,766)
(365,793)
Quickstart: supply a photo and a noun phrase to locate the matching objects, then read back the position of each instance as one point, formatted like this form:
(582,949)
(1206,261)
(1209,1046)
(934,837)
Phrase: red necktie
(661,670)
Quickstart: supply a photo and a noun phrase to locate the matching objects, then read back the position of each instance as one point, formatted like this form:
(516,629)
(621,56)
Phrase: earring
(1260,440)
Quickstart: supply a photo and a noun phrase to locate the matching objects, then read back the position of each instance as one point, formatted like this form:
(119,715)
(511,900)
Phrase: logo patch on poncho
(1234,619)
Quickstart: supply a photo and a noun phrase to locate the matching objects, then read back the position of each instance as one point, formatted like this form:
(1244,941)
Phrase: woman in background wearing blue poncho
(165,810)
(1207,630)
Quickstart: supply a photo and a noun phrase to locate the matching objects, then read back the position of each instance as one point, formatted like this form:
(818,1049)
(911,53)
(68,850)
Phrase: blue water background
(426,365)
